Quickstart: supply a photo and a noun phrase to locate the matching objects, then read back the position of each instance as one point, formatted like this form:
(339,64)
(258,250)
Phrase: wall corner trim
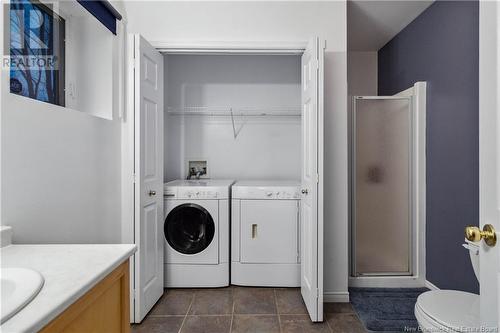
(431,285)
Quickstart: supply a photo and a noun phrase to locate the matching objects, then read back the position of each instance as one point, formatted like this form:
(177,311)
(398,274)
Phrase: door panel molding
(148,170)
(312,180)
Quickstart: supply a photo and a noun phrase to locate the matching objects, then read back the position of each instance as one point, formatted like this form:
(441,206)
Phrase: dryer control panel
(279,191)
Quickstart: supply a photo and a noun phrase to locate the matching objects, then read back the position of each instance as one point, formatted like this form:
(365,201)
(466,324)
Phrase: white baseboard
(386,282)
(336,297)
(430,285)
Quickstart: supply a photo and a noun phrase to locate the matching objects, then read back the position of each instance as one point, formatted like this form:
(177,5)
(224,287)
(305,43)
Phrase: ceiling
(371,23)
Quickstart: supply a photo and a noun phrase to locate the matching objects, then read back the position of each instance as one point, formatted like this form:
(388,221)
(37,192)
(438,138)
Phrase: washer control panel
(190,193)
(198,194)
(214,189)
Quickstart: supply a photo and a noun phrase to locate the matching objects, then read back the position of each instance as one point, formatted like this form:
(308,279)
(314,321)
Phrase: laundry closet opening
(245,126)
(232,116)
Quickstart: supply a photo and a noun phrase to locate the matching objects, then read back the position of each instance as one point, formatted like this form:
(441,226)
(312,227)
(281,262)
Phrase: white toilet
(450,310)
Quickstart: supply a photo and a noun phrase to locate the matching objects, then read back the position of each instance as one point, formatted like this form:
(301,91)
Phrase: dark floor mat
(386,309)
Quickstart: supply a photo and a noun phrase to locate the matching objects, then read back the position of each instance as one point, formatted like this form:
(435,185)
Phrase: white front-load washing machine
(196,229)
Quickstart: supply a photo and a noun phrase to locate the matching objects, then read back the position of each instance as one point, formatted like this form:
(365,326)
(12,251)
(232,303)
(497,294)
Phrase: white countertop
(69,272)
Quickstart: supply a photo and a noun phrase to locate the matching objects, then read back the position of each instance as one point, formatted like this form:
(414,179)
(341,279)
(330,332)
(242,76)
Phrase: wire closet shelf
(239,112)
(284,111)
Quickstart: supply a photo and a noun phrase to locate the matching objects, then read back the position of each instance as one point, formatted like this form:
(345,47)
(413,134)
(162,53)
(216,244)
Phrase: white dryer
(196,229)
(265,249)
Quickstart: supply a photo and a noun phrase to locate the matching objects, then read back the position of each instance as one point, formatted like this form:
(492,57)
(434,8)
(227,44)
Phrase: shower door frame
(411,183)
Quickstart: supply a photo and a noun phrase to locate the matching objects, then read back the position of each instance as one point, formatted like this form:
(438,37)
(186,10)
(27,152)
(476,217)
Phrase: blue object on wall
(103,11)
(36,47)
(441,46)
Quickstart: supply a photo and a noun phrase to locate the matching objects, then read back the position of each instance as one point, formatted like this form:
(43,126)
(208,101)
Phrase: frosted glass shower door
(382,219)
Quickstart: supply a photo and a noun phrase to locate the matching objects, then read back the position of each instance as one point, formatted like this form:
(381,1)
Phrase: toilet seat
(448,310)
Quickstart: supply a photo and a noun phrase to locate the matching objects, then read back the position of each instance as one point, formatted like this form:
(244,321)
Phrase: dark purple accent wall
(441,46)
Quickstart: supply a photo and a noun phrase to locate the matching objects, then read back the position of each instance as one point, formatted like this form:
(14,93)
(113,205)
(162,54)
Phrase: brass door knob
(474,234)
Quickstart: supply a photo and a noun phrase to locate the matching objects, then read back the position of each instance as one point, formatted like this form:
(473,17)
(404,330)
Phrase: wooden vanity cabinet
(104,308)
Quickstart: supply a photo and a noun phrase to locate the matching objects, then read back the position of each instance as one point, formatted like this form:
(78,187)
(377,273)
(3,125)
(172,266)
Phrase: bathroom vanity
(85,287)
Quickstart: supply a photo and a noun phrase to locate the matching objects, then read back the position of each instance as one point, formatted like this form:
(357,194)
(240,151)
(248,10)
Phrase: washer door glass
(189,228)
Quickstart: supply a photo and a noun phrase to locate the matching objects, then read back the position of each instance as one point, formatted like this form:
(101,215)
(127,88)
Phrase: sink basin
(18,286)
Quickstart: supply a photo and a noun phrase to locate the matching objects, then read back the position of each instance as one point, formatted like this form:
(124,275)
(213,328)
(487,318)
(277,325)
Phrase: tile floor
(243,309)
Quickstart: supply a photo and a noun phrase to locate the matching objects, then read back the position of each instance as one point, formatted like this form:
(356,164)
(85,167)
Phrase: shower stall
(386,186)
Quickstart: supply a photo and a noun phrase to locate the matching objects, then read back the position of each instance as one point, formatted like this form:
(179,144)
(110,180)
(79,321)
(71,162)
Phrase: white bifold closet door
(311,218)
(148,190)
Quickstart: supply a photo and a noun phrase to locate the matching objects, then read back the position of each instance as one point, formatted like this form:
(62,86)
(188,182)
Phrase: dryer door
(269,231)
(191,233)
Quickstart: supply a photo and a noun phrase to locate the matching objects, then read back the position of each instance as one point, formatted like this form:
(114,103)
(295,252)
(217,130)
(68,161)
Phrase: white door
(311,218)
(489,158)
(148,233)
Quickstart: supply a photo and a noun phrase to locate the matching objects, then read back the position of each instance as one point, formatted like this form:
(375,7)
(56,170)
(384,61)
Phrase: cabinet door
(269,231)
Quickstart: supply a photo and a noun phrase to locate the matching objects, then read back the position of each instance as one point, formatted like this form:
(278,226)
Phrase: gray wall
(441,46)
(265,147)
